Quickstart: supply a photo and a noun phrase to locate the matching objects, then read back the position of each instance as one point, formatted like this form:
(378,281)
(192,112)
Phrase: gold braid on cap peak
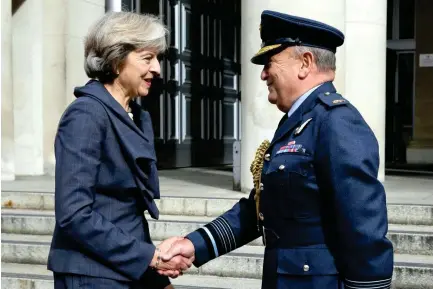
(256,169)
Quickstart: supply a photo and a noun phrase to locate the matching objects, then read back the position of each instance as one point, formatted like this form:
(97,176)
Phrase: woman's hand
(173,267)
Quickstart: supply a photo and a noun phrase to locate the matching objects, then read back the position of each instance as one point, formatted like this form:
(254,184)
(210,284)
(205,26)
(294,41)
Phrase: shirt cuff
(201,247)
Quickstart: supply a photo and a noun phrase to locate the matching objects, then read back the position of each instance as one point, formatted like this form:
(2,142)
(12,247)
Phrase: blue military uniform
(322,210)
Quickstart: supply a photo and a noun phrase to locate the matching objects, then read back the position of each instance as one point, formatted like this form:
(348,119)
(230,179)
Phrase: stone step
(411,271)
(33,249)
(192,206)
(17,276)
(407,239)
(411,239)
(168,205)
(245,262)
(42,223)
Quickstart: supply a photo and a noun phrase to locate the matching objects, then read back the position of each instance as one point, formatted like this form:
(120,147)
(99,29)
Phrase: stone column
(28,76)
(259,118)
(54,77)
(420,150)
(7,117)
(38,80)
(366,65)
(47,64)
(80,15)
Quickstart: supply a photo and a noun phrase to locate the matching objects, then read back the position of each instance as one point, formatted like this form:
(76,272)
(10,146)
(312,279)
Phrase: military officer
(320,208)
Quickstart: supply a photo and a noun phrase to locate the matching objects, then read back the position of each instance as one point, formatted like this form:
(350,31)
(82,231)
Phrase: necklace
(130,113)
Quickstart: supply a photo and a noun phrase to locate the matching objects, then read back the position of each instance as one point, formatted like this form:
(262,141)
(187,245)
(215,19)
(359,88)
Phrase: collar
(300,100)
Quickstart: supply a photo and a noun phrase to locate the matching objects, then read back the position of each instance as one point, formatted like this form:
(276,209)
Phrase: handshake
(173,256)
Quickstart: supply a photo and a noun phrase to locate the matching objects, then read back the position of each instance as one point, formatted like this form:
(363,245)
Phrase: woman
(106,175)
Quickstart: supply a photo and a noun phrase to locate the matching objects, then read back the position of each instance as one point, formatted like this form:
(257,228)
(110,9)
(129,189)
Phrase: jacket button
(281,167)
(327,93)
(306,268)
(267,157)
(261,186)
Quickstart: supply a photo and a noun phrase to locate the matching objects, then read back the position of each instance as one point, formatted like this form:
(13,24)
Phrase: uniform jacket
(322,207)
(105,179)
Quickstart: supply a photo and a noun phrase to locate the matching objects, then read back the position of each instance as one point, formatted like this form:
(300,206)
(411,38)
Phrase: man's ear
(307,62)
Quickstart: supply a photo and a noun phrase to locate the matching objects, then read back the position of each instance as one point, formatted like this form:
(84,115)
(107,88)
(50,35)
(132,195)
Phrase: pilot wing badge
(302,126)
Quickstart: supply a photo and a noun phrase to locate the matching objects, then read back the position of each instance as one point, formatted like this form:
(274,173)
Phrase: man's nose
(264,75)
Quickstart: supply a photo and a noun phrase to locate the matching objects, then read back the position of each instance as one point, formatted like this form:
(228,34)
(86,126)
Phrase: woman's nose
(155,67)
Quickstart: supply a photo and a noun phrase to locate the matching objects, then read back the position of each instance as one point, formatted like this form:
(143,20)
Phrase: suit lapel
(287,125)
(144,121)
(111,103)
(136,144)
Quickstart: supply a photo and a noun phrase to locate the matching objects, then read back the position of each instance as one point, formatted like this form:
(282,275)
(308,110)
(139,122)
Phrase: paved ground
(194,182)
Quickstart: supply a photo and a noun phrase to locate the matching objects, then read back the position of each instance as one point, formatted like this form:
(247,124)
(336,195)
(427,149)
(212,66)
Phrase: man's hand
(171,267)
(165,245)
(181,248)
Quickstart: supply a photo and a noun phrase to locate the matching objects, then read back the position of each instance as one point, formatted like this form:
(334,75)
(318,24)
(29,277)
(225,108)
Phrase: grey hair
(114,36)
(325,59)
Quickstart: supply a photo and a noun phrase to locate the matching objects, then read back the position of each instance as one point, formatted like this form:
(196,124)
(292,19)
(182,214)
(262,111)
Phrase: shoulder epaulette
(332,99)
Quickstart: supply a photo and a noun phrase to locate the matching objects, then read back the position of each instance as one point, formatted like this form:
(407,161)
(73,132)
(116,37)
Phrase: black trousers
(150,280)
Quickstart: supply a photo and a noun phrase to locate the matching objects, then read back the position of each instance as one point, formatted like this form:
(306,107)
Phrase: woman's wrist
(156,260)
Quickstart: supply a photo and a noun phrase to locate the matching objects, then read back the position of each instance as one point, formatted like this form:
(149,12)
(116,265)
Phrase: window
(400,19)
(389,19)
(406,26)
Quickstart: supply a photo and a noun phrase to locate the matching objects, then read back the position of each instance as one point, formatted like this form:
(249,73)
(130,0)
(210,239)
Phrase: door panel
(200,109)
(399,104)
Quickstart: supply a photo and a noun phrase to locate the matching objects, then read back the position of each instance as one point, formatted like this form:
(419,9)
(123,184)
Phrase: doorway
(400,80)
(195,105)
(399,103)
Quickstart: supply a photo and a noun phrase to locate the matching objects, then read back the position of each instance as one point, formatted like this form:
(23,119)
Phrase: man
(322,211)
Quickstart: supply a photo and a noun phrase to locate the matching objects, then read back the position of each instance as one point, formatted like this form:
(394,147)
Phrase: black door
(399,104)
(391,111)
(196,106)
